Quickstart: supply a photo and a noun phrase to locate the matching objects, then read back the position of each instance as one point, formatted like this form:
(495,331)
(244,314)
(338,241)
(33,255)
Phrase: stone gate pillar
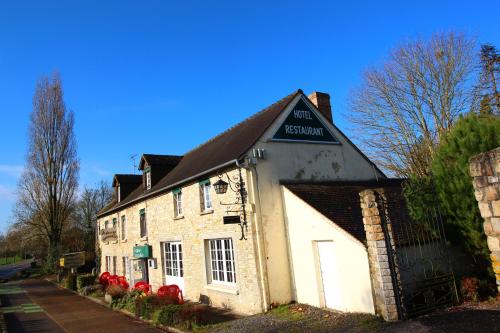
(378,241)
(485,171)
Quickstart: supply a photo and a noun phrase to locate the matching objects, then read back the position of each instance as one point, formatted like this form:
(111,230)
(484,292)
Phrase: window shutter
(202,198)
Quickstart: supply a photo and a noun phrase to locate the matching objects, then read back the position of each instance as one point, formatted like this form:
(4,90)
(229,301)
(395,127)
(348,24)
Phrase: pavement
(37,305)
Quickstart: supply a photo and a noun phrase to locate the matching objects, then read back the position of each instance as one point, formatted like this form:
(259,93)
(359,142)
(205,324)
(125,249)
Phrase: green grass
(9,260)
(285,312)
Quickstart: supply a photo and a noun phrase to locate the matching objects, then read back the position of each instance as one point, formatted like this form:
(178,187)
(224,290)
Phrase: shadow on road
(463,321)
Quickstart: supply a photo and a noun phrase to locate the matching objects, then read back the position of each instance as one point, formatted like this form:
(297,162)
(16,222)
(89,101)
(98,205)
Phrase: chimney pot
(322,102)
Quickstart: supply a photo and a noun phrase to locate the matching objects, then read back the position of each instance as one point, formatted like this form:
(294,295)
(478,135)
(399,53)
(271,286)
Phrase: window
(173,259)
(205,197)
(114,265)
(177,203)
(124,228)
(108,263)
(142,221)
(114,223)
(125,267)
(106,224)
(222,267)
(118,194)
(147,173)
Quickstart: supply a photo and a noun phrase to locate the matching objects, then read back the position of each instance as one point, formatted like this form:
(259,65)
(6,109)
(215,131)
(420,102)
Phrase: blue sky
(159,77)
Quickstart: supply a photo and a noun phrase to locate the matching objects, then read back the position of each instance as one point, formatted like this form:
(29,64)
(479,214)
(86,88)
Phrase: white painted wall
(305,227)
(301,162)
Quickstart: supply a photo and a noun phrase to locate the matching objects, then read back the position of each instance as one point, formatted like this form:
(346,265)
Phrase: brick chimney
(322,102)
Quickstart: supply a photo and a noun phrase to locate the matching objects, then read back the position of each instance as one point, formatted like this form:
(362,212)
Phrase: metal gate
(418,256)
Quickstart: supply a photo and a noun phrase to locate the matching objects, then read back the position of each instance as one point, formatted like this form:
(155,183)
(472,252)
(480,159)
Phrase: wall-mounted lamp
(220,186)
(237,185)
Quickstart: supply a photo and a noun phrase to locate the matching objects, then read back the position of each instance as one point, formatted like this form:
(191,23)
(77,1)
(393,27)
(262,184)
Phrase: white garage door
(329,275)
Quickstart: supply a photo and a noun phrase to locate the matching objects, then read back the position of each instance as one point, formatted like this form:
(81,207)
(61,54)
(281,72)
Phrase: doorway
(173,268)
(329,274)
(140,270)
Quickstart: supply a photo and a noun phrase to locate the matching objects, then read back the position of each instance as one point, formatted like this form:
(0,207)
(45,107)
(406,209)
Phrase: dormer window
(118,194)
(147,174)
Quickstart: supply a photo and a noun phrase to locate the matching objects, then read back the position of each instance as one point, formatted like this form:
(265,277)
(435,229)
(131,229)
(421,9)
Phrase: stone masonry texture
(193,229)
(485,172)
(382,286)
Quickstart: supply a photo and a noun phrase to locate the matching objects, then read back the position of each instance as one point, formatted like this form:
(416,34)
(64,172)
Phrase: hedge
(85,280)
(185,316)
(71,282)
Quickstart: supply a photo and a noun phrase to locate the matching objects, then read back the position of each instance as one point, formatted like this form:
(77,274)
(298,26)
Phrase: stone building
(288,227)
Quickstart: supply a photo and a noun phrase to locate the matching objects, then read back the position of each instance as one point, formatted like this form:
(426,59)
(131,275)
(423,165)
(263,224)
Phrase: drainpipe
(260,246)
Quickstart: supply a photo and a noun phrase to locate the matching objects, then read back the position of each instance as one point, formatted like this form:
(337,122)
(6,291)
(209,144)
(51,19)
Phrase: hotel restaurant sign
(303,125)
(109,234)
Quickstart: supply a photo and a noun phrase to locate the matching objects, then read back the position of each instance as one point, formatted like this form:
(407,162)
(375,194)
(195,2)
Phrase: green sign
(142,251)
(303,125)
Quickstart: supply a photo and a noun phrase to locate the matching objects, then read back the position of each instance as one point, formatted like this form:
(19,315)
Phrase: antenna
(134,165)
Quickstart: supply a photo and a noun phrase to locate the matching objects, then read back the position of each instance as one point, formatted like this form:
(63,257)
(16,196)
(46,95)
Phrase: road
(7,271)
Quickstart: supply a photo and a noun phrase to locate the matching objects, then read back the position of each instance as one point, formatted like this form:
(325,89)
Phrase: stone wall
(377,244)
(485,171)
(193,229)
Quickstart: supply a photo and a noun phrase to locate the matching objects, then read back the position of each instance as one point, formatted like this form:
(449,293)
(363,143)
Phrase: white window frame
(178,204)
(107,263)
(125,267)
(148,179)
(118,194)
(221,262)
(123,229)
(169,260)
(206,197)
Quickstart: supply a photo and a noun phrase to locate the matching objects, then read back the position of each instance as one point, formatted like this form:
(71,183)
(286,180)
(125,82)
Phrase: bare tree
(46,191)
(91,201)
(404,107)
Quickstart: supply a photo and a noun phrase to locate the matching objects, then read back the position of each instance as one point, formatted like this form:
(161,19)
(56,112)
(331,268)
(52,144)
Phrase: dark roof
(223,148)
(109,206)
(154,159)
(127,179)
(339,201)
(229,145)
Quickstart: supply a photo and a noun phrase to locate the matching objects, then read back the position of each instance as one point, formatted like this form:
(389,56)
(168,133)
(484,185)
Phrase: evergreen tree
(489,80)
(471,135)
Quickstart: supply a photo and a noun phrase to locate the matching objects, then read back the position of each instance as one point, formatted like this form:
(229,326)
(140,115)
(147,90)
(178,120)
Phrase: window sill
(180,217)
(123,241)
(145,238)
(114,242)
(222,289)
(206,212)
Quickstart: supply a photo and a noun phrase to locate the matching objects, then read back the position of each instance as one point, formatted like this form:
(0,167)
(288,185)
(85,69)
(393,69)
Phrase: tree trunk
(53,255)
